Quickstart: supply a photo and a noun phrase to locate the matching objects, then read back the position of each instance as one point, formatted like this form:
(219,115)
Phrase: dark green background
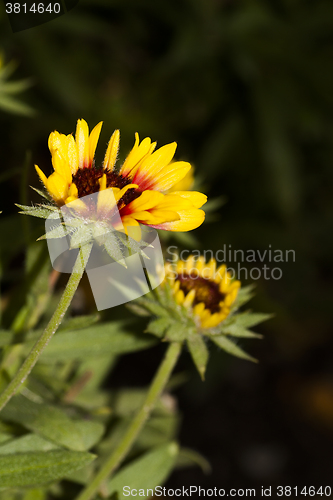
(246,89)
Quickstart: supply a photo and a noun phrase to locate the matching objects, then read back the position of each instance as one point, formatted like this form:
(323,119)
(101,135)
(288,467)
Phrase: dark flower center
(87,182)
(206,291)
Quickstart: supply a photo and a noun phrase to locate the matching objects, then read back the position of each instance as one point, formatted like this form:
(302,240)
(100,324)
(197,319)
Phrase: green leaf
(29,469)
(99,340)
(29,442)
(53,424)
(230,347)
(199,353)
(6,338)
(79,322)
(14,106)
(146,472)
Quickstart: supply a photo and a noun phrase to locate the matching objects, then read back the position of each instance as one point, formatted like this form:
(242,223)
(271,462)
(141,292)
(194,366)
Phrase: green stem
(158,384)
(51,328)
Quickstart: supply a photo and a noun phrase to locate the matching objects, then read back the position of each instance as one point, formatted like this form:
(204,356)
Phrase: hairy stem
(117,456)
(51,328)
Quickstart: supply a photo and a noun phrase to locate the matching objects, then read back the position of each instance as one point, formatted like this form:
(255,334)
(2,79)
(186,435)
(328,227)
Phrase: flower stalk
(117,456)
(51,328)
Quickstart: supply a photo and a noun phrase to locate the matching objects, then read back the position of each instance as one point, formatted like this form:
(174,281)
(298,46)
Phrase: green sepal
(57,232)
(244,295)
(158,326)
(43,194)
(40,211)
(114,248)
(153,307)
(177,332)
(137,309)
(199,352)
(231,348)
(133,245)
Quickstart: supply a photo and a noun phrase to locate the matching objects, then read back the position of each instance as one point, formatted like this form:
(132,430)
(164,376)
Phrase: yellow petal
(166,177)
(132,227)
(61,166)
(41,174)
(197,199)
(73,192)
(82,143)
(153,164)
(57,187)
(189,219)
(73,159)
(146,201)
(106,200)
(93,140)
(212,320)
(112,151)
(102,182)
(122,191)
(180,297)
(136,155)
(189,298)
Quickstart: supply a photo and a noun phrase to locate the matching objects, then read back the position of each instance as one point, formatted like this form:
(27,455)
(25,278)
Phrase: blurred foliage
(245,87)
(7,89)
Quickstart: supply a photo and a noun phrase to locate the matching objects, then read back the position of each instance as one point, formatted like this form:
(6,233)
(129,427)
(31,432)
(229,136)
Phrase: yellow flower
(205,289)
(140,187)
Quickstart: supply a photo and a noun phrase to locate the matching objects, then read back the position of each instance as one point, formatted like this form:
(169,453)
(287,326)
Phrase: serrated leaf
(29,442)
(146,472)
(99,340)
(230,347)
(158,326)
(199,353)
(30,469)
(52,423)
